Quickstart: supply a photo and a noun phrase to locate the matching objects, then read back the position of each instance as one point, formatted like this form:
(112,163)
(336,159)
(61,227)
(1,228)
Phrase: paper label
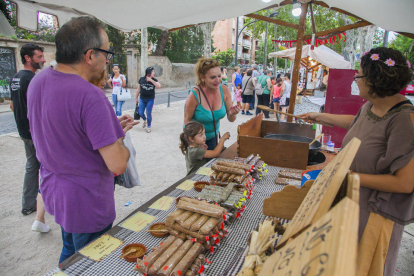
(186,185)
(204,171)
(137,222)
(100,248)
(163,203)
(354,89)
(59,273)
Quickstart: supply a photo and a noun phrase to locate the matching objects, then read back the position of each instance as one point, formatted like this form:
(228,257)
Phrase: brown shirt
(387,146)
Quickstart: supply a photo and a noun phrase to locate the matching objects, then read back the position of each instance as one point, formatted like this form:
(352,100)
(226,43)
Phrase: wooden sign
(284,204)
(323,191)
(328,247)
(186,185)
(163,203)
(205,171)
(137,222)
(101,247)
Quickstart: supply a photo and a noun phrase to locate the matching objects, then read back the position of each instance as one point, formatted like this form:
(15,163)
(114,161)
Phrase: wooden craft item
(289,154)
(265,108)
(250,128)
(285,203)
(323,191)
(317,138)
(287,181)
(328,247)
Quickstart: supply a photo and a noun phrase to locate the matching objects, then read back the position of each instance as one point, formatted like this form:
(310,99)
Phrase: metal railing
(178,97)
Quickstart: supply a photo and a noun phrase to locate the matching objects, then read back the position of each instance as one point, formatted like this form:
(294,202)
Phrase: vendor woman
(209,101)
(384,161)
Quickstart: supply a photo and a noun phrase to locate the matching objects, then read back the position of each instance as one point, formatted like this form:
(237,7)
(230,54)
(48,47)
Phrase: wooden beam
(298,55)
(179,28)
(312,19)
(341,29)
(314,66)
(410,35)
(323,4)
(271,20)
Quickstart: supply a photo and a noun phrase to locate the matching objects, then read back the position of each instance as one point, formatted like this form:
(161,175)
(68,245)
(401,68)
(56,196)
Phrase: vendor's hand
(226,136)
(234,110)
(311,115)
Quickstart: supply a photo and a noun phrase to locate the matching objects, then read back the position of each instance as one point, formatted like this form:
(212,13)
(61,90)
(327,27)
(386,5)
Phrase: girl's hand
(234,110)
(204,147)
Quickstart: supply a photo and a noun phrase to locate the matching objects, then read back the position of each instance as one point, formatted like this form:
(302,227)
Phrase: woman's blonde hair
(97,82)
(202,67)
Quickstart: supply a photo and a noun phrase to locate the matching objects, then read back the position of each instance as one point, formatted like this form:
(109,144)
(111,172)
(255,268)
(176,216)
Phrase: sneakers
(248,113)
(39,226)
(27,212)
(242,112)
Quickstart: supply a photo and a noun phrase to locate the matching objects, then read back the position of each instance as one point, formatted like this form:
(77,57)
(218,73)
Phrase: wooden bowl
(132,258)
(199,185)
(158,226)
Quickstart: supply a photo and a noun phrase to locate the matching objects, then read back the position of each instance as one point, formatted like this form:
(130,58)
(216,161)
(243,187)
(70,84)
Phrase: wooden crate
(274,152)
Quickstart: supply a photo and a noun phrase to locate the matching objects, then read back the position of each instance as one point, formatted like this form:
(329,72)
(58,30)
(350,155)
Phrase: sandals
(148,130)
(144,124)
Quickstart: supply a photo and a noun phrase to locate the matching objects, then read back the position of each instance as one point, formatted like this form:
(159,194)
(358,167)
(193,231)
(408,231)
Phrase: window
(232,46)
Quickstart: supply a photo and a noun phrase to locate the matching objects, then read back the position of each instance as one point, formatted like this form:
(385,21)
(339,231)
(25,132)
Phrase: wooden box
(278,153)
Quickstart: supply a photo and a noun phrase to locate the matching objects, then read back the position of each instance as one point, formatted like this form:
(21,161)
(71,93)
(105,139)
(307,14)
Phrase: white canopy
(321,54)
(129,15)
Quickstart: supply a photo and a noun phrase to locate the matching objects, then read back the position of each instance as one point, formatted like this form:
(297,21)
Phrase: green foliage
(116,39)
(225,58)
(5,10)
(378,38)
(185,45)
(403,44)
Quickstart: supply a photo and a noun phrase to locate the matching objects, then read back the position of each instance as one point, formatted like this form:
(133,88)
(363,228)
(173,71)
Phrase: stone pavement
(8,124)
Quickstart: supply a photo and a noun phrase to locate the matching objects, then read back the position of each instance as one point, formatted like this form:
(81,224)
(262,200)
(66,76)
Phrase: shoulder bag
(259,87)
(245,85)
(123,95)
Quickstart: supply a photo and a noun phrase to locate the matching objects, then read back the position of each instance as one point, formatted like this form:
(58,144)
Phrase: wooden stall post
(298,56)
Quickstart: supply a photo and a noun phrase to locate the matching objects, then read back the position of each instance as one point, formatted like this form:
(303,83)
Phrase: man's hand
(127,122)
(149,79)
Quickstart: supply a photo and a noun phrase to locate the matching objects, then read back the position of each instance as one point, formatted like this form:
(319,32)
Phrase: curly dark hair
(384,80)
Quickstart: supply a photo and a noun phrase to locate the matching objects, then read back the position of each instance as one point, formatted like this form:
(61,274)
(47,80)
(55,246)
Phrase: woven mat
(227,259)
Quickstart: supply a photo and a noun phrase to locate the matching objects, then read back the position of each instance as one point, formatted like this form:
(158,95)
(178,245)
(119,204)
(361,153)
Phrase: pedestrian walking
(236,79)
(117,82)
(78,137)
(275,98)
(247,93)
(263,93)
(146,94)
(285,95)
(33,59)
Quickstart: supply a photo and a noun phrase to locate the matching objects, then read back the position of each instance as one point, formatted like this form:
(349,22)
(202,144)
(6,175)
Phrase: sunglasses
(109,54)
(208,62)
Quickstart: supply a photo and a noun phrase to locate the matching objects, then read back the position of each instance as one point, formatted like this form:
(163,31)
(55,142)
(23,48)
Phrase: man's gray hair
(254,66)
(76,37)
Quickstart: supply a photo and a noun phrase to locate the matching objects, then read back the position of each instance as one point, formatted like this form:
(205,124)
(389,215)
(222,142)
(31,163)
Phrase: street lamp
(296,10)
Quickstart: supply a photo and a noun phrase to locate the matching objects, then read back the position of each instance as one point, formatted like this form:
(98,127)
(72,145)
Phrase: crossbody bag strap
(212,113)
(244,88)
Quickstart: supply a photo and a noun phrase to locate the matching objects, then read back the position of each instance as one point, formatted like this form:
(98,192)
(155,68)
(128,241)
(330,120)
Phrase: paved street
(8,125)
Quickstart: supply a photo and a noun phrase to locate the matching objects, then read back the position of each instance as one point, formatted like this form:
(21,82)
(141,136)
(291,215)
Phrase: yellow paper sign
(186,185)
(163,203)
(101,247)
(137,222)
(205,171)
(59,273)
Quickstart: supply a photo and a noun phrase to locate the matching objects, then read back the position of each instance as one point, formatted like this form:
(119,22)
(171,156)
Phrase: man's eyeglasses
(109,54)
(357,77)
(209,62)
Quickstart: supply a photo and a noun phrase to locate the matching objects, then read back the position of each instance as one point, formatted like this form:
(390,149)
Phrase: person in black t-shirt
(146,92)
(32,59)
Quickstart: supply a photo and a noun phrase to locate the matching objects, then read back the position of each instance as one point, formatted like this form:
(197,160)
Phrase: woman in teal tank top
(209,79)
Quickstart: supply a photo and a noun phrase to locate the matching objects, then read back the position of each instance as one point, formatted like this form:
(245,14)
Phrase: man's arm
(116,156)
(11,105)
(269,84)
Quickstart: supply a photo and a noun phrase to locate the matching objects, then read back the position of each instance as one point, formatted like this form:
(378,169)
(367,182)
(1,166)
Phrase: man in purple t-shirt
(78,138)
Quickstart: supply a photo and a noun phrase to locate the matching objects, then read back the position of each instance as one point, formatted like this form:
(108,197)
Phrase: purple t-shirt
(70,119)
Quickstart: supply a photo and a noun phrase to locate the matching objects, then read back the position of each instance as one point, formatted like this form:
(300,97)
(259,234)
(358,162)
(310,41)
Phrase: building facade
(224,37)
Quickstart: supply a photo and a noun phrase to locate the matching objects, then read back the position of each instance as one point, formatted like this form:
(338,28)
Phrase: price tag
(137,222)
(186,185)
(163,203)
(204,171)
(100,248)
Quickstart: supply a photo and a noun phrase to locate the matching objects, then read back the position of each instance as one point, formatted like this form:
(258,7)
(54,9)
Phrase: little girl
(276,95)
(193,146)
(238,94)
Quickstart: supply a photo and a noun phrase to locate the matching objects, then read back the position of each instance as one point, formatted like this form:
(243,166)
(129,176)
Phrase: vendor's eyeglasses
(208,62)
(109,54)
(357,77)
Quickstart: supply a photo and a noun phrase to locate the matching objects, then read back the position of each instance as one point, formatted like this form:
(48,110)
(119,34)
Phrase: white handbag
(123,95)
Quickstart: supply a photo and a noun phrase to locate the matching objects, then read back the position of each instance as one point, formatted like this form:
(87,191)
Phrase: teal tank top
(205,118)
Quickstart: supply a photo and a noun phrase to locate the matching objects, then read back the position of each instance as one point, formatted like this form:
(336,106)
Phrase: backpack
(259,88)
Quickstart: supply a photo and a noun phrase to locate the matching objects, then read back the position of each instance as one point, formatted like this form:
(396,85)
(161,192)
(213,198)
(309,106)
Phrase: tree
(225,58)
(207,28)
(406,46)
(162,43)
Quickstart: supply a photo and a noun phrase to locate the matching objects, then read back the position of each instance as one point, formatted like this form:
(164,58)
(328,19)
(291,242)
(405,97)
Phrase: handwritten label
(163,203)
(137,222)
(59,273)
(328,247)
(204,171)
(186,185)
(101,247)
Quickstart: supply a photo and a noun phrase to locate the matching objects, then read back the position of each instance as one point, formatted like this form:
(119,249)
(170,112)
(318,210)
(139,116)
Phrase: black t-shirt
(147,88)
(19,85)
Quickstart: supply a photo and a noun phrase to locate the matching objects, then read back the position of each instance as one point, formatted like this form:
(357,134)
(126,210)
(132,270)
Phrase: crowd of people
(74,137)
